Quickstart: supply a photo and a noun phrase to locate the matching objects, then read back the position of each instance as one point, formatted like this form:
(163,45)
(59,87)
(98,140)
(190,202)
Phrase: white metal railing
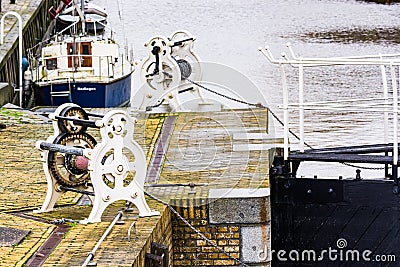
(385,104)
(20,41)
(103,67)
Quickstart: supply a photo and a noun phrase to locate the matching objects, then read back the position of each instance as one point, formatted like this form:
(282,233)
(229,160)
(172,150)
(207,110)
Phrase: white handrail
(386,98)
(395,115)
(383,104)
(313,62)
(380,56)
(18,16)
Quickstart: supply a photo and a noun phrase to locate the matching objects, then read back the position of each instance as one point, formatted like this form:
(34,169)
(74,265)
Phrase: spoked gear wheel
(61,165)
(69,126)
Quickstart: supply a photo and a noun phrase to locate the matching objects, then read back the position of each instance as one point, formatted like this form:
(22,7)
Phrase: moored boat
(86,69)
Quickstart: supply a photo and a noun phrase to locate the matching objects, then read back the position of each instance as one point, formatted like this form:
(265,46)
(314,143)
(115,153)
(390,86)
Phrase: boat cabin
(79,57)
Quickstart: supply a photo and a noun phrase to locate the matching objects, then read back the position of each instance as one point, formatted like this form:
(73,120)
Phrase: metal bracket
(158,256)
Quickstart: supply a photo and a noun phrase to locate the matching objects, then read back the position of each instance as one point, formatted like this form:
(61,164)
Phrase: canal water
(230,32)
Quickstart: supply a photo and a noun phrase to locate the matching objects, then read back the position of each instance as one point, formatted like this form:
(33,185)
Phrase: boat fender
(44,71)
(28,92)
(28,76)
(27,82)
(25,63)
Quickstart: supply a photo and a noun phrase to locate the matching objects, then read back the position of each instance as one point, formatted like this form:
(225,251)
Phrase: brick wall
(240,226)
(190,249)
(162,234)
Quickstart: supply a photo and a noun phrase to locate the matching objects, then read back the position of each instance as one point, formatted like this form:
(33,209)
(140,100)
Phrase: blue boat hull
(85,94)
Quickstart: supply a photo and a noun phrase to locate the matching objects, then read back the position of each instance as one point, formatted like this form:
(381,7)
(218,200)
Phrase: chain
(259,105)
(63,220)
(202,236)
(365,168)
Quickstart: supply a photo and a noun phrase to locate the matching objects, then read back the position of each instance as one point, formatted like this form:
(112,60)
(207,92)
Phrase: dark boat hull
(85,94)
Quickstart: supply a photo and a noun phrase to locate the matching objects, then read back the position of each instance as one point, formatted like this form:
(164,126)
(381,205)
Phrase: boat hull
(84,93)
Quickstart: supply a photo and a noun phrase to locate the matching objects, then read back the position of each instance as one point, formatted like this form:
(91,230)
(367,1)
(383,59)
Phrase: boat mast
(83,16)
(81,13)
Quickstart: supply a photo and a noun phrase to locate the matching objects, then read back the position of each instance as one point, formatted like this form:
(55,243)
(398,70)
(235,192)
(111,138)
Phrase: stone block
(256,244)
(11,236)
(239,206)
(6,93)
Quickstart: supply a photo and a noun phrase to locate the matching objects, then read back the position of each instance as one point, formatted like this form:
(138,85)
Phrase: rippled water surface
(229,32)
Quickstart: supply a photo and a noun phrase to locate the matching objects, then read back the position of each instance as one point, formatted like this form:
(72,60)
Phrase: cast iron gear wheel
(69,126)
(60,165)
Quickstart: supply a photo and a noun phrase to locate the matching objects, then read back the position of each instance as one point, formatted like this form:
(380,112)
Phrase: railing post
(285,114)
(395,128)
(301,102)
(395,122)
(385,96)
(15,14)
(385,114)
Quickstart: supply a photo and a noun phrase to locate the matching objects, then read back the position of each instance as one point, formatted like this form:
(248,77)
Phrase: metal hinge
(158,256)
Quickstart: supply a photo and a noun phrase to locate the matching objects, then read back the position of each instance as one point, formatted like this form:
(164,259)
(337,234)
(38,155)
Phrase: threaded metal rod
(60,148)
(65,188)
(81,122)
(92,253)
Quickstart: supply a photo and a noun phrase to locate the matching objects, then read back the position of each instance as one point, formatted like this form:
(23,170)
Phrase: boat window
(51,63)
(71,49)
(72,61)
(86,50)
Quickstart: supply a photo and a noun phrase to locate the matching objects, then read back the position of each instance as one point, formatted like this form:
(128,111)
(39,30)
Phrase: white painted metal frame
(383,105)
(168,82)
(18,16)
(111,163)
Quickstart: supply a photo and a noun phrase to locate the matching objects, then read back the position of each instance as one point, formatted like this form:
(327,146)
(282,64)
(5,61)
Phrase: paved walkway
(201,150)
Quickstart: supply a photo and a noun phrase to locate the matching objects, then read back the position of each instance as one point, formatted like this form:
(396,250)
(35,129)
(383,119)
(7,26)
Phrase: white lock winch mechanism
(168,70)
(111,170)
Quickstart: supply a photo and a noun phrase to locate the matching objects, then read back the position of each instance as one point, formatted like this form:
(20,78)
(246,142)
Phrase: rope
(184,67)
(202,236)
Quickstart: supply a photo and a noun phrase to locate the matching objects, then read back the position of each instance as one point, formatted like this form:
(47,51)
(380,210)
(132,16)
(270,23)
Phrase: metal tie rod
(60,148)
(65,188)
(93,252)
(180,42)
(81,122)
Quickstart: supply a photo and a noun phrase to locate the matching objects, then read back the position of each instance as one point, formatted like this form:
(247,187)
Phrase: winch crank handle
(178,43)
(76,121)
(155,51)
(60,148)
